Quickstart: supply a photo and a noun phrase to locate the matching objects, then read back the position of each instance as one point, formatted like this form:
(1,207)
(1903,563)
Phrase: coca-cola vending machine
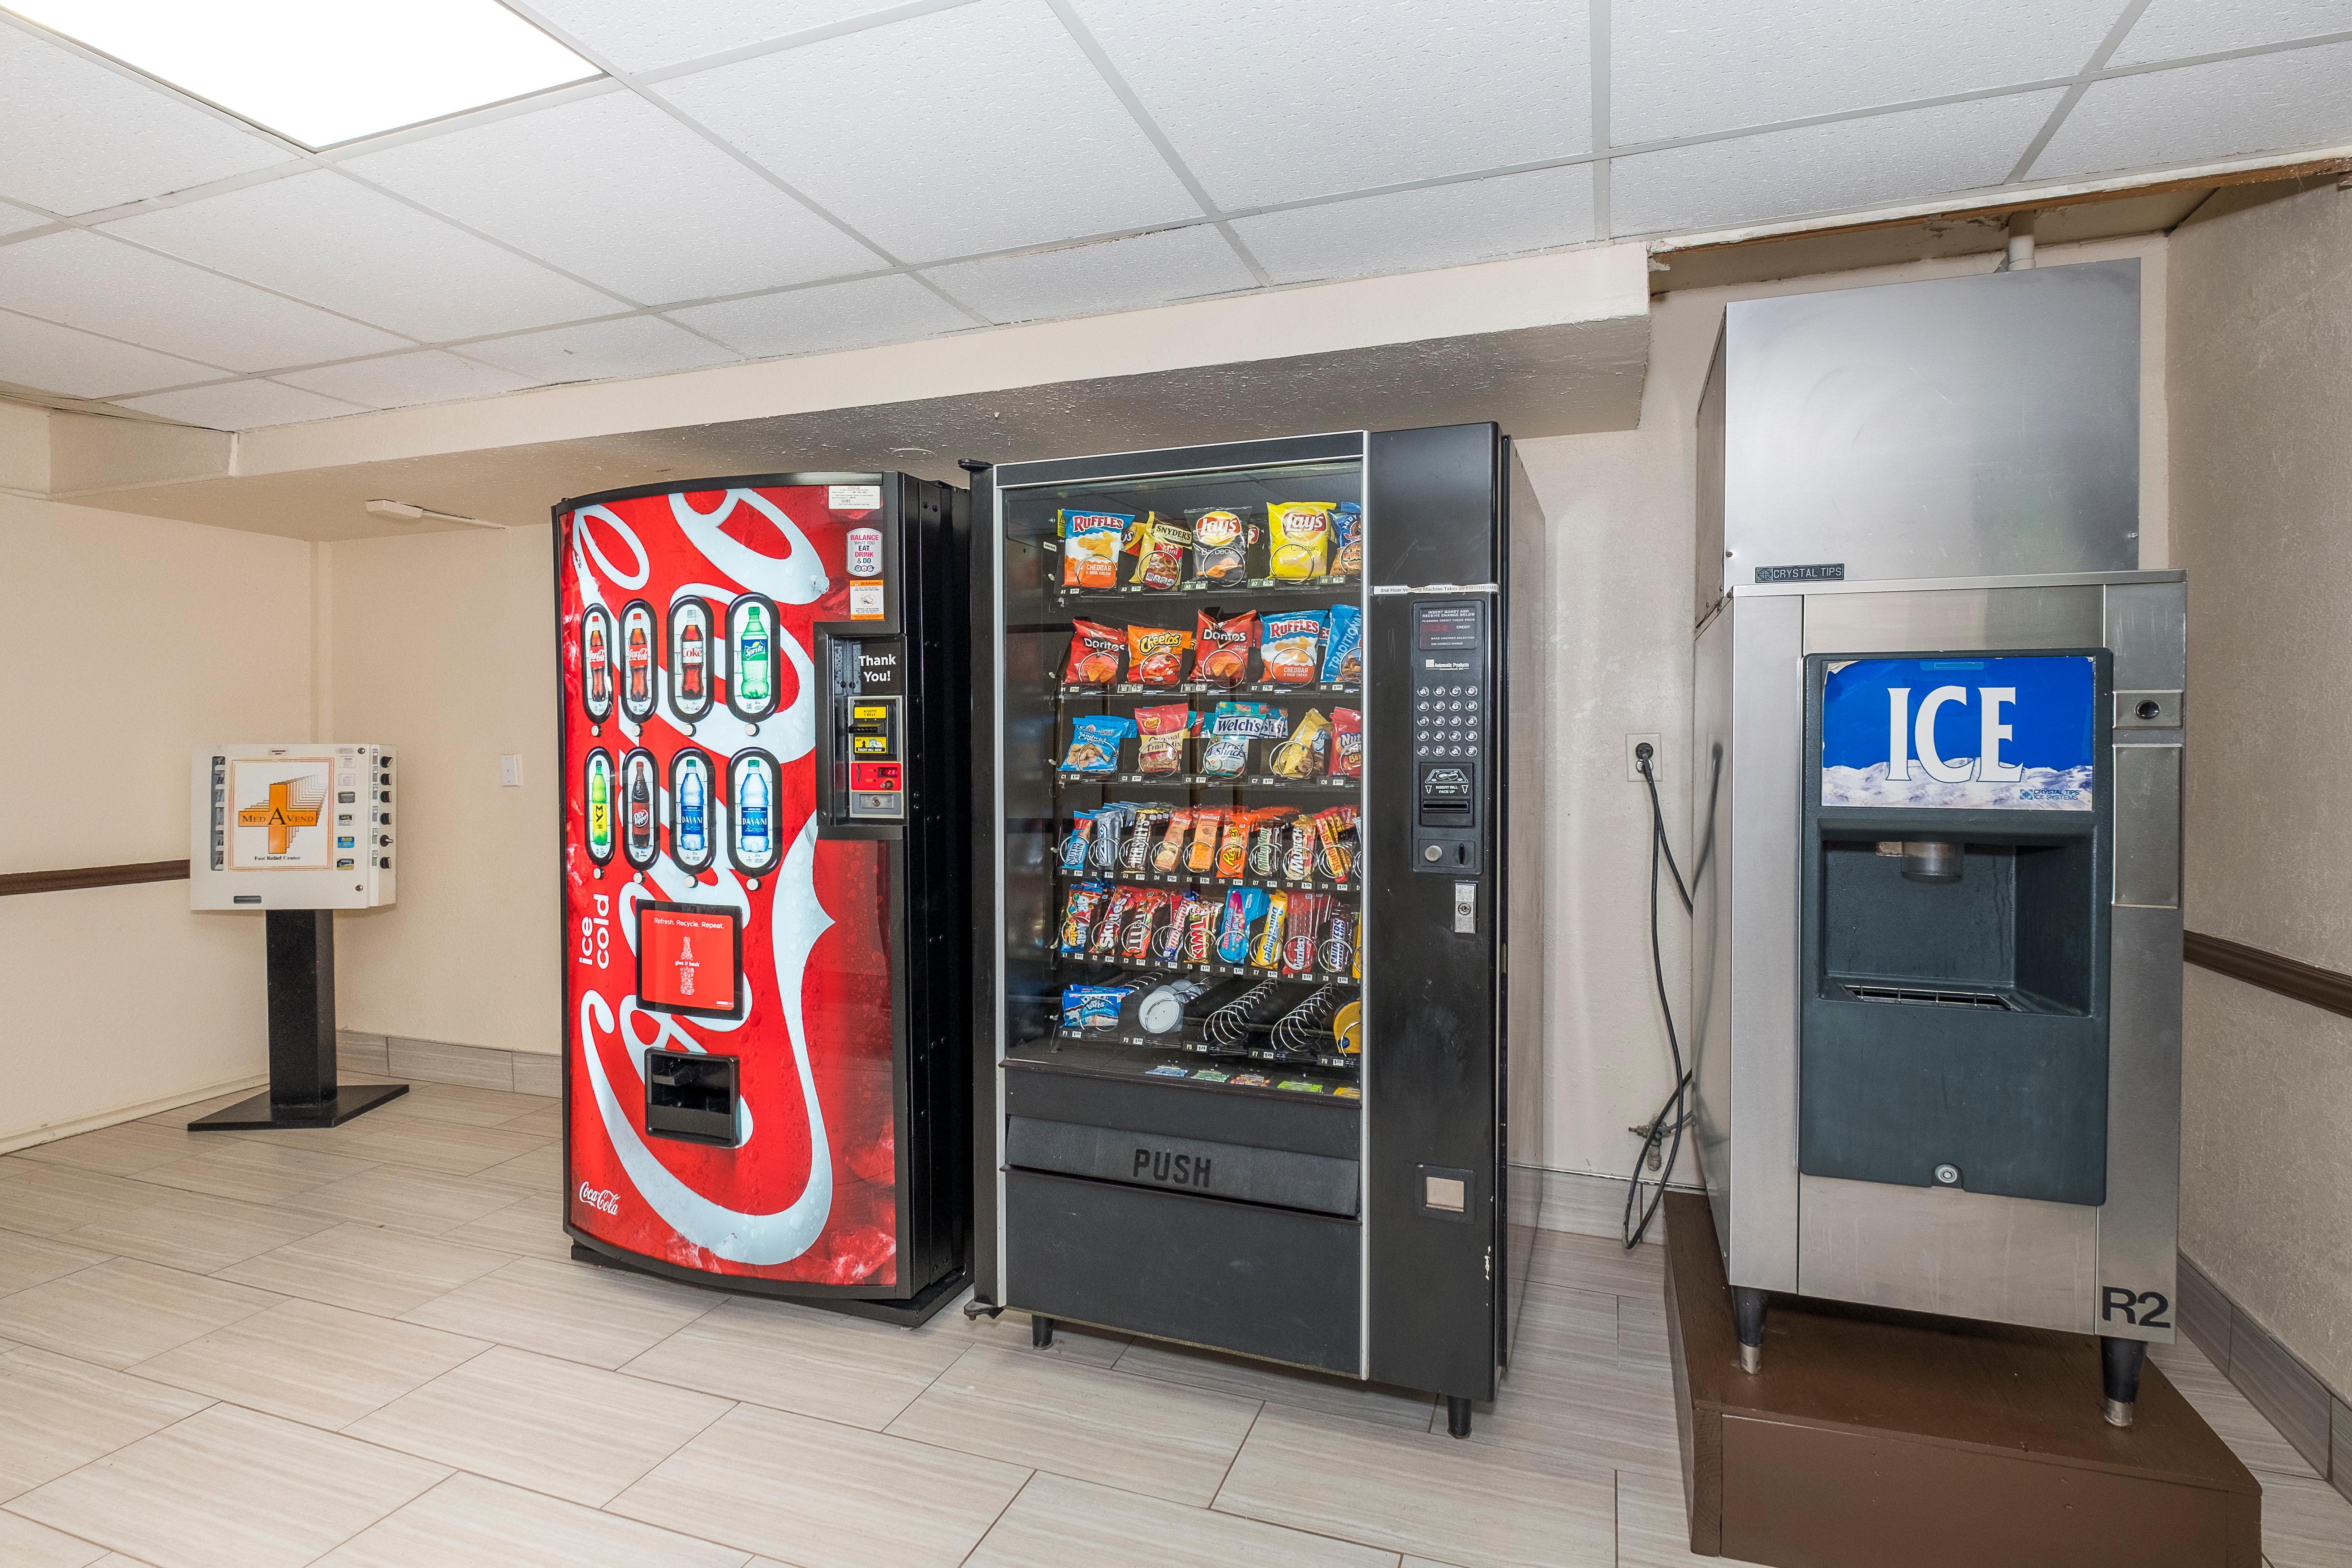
(765,862)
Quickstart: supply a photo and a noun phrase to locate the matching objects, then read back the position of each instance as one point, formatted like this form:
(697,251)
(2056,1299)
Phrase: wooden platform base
(1872,1437)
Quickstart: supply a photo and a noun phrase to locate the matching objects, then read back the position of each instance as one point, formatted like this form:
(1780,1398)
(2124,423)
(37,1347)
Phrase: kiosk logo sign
(1973,734)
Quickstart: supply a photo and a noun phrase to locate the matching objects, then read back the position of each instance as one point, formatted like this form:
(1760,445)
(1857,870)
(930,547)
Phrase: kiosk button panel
(1451,666)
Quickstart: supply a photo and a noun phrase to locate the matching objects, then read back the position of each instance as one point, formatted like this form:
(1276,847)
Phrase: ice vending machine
(765,936)
(1254,832)
(1939,727)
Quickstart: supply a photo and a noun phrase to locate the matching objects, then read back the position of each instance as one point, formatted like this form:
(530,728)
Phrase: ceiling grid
(948,164)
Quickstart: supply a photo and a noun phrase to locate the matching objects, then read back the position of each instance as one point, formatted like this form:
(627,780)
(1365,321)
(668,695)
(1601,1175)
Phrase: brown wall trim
(2328,988)
(91,876)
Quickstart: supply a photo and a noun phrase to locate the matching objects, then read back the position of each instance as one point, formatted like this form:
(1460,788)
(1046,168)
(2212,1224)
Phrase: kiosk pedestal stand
(303,1087)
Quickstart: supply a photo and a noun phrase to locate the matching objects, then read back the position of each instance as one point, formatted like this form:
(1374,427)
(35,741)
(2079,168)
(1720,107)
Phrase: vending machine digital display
(764,854)
(1256,1067)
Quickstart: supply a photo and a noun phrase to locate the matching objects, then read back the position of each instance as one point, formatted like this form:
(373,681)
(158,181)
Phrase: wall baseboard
(2308,1414)
(435,1061)
(50,1134)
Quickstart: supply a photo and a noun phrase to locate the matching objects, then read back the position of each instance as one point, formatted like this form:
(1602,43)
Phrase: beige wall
(442,645)
(1624,508)
(125,641)
(2262,357)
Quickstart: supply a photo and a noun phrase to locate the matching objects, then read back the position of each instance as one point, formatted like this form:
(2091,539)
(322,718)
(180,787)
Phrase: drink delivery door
(763,860)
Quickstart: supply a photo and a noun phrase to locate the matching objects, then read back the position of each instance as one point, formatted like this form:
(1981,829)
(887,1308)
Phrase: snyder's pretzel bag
(1091,543)
(1094,652)
(1289,646)
(1160,553)
(1219,545)
(1300,533)
(1223,659)
(1094,742)
(1155,655)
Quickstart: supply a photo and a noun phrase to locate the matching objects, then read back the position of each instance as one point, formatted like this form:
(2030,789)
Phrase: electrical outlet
(1633,763)
(510,769)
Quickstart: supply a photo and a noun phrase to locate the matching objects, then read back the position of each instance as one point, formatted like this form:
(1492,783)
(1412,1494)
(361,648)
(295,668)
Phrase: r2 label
(2140,1308)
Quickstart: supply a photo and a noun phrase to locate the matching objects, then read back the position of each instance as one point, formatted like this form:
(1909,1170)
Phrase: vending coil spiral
(1297,1031)
(1230,1024)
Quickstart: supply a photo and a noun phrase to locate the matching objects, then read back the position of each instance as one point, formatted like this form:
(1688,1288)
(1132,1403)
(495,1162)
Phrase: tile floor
(368,1347)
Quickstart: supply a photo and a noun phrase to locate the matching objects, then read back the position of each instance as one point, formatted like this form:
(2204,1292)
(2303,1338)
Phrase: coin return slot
(690,1097)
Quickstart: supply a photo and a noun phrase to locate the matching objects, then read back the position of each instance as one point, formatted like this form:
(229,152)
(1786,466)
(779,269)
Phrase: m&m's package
(1091,543)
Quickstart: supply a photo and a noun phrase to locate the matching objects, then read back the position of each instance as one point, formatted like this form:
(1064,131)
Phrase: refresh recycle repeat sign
(1977,734)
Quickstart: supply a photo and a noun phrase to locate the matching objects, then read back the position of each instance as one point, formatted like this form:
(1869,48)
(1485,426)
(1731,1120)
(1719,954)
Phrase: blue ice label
(2002,734)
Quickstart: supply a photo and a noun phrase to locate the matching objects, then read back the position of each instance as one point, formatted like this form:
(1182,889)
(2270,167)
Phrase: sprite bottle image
(600,806)
(691,835)
(754,664)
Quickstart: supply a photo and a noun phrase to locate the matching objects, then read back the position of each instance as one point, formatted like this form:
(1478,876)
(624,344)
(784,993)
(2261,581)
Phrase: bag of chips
(1155,655)
(1091,543)
(1160,553)
(1094,652)
(1343,646)
(1301,756)
(1164,730)
(1347,744)
(1169,854)
(1079,913)
(1289,646)
(1092,1006)
(1348,530)
(1094,742)
(1219,545)
(1224,660)
(1300,531)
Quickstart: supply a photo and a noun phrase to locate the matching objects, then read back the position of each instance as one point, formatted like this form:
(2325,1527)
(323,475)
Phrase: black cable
(1676,1105)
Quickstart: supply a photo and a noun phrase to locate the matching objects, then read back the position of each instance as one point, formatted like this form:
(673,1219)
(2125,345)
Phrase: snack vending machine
(1251,844)
(765,914)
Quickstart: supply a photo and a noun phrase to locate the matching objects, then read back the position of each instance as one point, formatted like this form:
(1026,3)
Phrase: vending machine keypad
(1450,708)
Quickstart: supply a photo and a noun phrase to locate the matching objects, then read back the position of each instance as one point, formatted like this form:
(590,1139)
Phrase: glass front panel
(1181,768)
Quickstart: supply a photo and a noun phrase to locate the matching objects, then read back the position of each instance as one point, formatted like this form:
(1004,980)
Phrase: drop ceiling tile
(1086,279)
(633,346)
(84,279)
(320,236)
(636,37)
(830,316)
(2263,103)
(616,191)
(1845,165)
(81,137)
(1013,141)
(1281,102)
(2170,29)
(1439,226)
(1686,67)
(398,380)
(15,219)
(74,365)
(241,405)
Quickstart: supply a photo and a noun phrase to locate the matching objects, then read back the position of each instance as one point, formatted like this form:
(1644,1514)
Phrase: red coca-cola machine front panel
(693,710)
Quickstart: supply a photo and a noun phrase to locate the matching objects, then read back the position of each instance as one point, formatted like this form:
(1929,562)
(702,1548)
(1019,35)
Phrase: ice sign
(2001,734)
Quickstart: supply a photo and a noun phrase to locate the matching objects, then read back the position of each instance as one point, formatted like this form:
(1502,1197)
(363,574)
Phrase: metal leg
(1040,1332)
(2119,1366)
(1457,1416)
(977,1309)
(300,946)
(1747,1313)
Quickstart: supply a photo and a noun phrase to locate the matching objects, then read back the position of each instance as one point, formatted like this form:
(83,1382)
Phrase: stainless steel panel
(2148,826)
(1942,619)
(1768,730)
(1937,1249)
(2149,709)
(1949,427)
(2140,1226)
(2148,629)
(1528,738)
(1710,981)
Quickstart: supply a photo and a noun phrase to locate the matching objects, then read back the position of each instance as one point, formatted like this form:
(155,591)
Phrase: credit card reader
(869,711)
(1451,671)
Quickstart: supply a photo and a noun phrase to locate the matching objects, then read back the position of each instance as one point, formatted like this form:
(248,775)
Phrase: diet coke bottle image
(692,650)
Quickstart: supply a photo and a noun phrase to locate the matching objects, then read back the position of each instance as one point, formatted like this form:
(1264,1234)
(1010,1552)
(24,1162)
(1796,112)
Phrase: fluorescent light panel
(324,71)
